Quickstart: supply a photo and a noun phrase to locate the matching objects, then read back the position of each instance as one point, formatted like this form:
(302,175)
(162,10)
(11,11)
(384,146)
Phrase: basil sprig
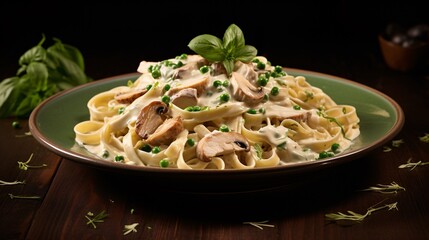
(42,73)
(229,50)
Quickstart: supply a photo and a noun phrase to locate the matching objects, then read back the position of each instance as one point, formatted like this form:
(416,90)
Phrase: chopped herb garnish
(3,183)
(425,138)
(23,197)
(356,217)
(25,166)
(412,165)
(385,188)
(296,107)
(130,228)
(387,149)
(95,219)
(397,143)
(282,146)
(258,150)
(26,134)
(121,110)
(260,224)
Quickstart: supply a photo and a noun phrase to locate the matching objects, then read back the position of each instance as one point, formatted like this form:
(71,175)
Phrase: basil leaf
(246,53)
(28,104)
(69,52)
(229,65)
(233,37)
(68,71)
(208,46)
(38,74)
(35,54)
(6,100)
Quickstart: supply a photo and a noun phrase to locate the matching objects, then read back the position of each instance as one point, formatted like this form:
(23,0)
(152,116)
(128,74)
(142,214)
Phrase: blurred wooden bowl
(402,58)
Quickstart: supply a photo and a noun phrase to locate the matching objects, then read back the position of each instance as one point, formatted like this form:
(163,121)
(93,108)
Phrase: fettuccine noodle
(188,113)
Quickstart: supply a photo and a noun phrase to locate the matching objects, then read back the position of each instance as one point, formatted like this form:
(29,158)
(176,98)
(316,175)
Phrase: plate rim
(295,167)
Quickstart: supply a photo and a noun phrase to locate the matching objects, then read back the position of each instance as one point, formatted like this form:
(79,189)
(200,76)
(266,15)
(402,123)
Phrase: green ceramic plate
(381,118)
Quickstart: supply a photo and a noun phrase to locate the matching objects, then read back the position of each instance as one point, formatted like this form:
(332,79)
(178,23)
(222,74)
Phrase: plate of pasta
(221,120)
(217,141)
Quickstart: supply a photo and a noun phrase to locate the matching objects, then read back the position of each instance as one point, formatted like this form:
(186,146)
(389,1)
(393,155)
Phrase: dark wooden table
(67,190)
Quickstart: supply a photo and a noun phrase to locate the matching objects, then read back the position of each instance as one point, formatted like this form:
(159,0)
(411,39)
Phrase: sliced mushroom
(218,69)
(185,97)
(129,97)
(199,82)
(247,71)
(150,118)
(166,132)
(221,143)
(245,91)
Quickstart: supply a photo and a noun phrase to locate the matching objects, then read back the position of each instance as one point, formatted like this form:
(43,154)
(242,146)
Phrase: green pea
(325,154)
(225,83)
(190,142)
(165,99)
(146,148)
(224,97)
(335,147)
(224,128)
(16,124)
(217,83)
(183,56)
(274,91)
(164,163)
(204,69)
(156,73)
(119,158)
(167,87)
(260,65)
(156,150)
(251,111)
(296,107)
(105,154)
(262,80)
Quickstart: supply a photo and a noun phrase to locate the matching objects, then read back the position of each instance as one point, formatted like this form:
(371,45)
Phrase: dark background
(115,37)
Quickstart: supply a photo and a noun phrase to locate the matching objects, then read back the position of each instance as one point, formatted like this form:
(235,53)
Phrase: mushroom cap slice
(198,82)
(150,118)
(221,143)
(244,90)
(129,97)
(185,98)
(166,132)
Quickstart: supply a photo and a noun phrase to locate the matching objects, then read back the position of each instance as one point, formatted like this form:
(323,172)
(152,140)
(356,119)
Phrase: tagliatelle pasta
(188,113)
